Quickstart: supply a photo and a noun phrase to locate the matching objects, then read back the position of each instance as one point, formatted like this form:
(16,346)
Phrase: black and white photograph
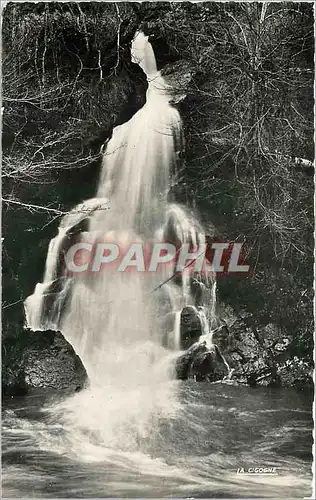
(157,249)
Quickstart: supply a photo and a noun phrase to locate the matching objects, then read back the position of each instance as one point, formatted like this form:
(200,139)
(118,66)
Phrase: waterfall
(113,319)
(177,330)
(44,308)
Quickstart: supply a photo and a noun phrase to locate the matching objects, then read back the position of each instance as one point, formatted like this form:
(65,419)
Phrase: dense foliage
(248,120)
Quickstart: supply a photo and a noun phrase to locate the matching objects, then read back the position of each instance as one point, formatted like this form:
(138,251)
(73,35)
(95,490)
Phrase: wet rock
(246,353)
(13,381)
(260,357)
(222,337)
(42,359)
(256,356)
(190,326)
(182,367)
(201,362)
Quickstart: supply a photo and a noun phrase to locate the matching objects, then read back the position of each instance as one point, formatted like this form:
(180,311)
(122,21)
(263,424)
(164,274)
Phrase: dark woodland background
(246,73)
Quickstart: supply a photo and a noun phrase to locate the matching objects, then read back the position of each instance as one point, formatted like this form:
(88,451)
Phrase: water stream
(113,319)
(194,453)
(136,431)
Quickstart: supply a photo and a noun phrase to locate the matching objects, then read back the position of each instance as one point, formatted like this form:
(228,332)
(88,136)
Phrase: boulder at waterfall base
(201,362)
(41,359)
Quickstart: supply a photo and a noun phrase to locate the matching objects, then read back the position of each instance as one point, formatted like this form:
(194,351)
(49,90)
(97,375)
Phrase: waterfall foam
(113,319)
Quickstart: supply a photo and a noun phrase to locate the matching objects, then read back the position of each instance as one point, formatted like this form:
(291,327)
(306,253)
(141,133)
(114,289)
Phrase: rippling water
(217,428)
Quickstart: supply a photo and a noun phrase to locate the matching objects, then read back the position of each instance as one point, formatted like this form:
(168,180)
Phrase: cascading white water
(37,317)
(113,319)
(177,330)
(113,439)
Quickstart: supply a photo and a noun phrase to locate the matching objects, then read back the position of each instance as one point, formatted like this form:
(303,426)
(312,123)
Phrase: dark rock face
(255,357)
(250,352)
(190,327)
(201,363)
(41,359)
